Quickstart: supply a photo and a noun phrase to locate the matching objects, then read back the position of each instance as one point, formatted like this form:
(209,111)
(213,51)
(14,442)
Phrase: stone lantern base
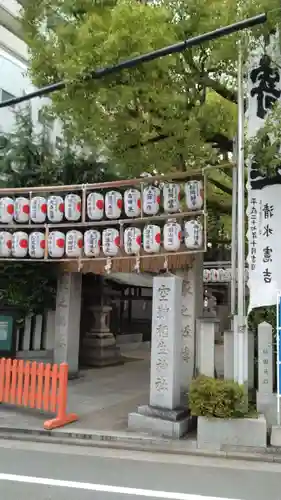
(99,344)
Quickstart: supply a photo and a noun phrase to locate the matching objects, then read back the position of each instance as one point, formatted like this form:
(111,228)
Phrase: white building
(14,80)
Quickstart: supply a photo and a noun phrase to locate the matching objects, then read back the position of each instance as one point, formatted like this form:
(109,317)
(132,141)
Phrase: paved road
(37,471)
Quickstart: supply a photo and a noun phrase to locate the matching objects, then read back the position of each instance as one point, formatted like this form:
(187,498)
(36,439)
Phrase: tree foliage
(169,112)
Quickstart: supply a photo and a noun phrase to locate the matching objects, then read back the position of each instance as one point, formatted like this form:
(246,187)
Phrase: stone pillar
(229,357)
(67,321)
(266,400)
(49,340)
(163,415)
(99,344)
(206,345)
(192,308)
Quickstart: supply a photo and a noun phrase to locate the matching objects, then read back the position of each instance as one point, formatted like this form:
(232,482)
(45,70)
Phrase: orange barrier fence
(35,385)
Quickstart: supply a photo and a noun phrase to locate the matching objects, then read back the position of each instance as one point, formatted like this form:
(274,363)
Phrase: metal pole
(143,58)
(233,242)
(241,334)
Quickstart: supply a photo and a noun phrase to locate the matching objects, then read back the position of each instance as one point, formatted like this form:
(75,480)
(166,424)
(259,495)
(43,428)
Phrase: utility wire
(150,56)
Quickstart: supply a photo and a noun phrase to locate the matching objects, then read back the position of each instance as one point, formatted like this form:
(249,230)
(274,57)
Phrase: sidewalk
(101,397)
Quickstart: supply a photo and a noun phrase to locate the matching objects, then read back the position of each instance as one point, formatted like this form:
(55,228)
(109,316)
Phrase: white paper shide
(264,188)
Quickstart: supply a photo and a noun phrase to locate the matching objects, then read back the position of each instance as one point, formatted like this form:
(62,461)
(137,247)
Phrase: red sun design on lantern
(158,238)
(117,241)
(120,203)
(10,209)
(42,244)
(138,240)
(60,243)
(139,203)
(80,243)
(179,235)
(25,209)
(99,204)
(44,208)
(61,207)
(9,244)
(78,206)
(23,243)
(158,199)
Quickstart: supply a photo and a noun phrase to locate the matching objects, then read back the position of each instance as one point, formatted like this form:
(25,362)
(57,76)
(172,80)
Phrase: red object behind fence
(35,385)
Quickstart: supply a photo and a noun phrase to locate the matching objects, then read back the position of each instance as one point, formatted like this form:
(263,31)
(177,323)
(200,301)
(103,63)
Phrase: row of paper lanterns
(220,275)
(74,243)
(56,208)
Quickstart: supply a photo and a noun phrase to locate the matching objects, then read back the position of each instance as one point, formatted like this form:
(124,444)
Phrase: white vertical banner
(264,189)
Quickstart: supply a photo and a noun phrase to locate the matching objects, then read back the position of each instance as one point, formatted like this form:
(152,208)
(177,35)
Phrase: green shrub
(210,397)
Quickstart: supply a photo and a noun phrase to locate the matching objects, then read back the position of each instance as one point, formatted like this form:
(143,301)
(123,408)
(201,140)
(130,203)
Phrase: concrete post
(67,321)
(266,400)
(206,345)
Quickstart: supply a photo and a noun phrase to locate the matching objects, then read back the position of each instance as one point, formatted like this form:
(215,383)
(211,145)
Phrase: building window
(6,96)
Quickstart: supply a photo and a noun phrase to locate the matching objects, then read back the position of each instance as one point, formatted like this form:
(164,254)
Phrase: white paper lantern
(132,240)
(215,275)
(6,210)
(221,273)
(194,195)
(171,197)
(113,204)
(110,242)
(21,210)
(36,245)
(132,203)
(172,236)
(92,243)
(5,244)
(72,207)
(151,200)
(55,208)
(95,206)
(193,234)
(38,209)
(74,243)
(206,275)
(56,244)
(151,238)
(19,244)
